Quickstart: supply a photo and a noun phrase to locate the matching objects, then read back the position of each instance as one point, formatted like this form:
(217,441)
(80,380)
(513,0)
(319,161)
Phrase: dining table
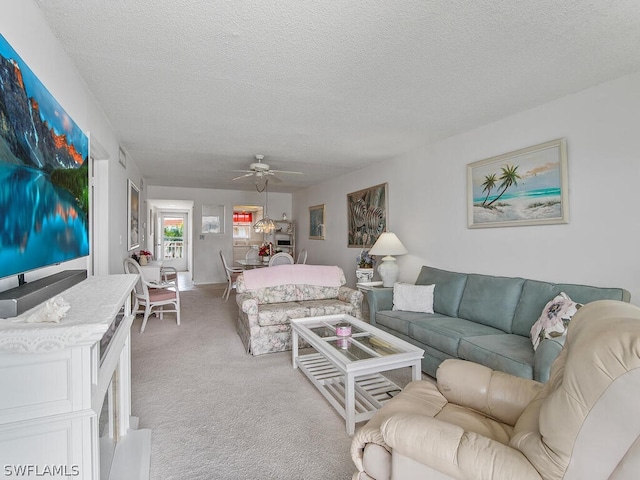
(152,271)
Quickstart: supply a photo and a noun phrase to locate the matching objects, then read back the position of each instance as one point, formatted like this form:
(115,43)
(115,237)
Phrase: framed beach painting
(316,222)
(366,215)
(525,187)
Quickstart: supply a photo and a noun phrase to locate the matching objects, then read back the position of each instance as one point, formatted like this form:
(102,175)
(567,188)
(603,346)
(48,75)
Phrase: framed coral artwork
(366,215)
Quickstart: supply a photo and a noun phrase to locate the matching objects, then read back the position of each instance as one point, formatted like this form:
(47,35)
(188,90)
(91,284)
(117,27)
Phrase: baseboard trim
(132,458)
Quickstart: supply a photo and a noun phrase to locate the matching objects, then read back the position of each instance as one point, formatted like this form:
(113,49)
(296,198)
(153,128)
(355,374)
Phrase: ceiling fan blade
(274,179)
(242,176)
(243,171)
(286,171)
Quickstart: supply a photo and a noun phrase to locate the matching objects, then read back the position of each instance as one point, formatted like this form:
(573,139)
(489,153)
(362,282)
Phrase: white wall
(206,264)
(118,213)
(427,198)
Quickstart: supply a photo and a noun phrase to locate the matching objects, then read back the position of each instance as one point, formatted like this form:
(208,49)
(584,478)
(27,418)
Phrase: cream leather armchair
(476,423)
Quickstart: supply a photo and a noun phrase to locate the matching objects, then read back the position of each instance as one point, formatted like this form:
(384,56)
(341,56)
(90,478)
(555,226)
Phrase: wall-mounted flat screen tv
(44,174)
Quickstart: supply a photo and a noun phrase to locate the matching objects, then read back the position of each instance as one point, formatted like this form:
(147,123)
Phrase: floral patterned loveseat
(268,298)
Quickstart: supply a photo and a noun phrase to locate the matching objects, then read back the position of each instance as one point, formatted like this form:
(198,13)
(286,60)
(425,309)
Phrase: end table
(365,287)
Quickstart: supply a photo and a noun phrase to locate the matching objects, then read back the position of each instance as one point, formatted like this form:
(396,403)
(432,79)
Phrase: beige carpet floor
(217,413)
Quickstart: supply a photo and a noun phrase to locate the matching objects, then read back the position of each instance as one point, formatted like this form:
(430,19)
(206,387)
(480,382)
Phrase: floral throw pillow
(554,319)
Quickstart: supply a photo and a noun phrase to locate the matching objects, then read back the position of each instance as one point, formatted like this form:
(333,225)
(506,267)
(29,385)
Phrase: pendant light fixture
(265,224)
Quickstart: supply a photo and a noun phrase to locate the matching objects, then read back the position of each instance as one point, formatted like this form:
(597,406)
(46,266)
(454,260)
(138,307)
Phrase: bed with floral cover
(268,298)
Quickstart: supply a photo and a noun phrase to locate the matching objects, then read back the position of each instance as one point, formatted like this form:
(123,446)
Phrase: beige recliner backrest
(585,423)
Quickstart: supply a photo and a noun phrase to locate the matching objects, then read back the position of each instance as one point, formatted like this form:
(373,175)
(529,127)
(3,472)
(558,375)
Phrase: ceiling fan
(262,171)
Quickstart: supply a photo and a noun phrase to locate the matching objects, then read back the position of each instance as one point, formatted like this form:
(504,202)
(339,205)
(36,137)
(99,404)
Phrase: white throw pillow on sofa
(413,298)
(554,320)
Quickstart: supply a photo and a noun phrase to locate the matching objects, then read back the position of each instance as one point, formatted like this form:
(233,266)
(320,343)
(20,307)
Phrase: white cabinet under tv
(65,398)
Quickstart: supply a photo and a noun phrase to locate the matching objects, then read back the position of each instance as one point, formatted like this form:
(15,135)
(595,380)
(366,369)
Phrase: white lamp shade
(388,244)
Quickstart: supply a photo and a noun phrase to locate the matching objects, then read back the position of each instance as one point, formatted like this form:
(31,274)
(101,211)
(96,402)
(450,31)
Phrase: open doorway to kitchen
(244,236)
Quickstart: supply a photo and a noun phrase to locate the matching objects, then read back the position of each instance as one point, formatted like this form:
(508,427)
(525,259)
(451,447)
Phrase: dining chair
(281,258)
(252,254)
(152,295)
(302,256)
(169,275)
(231,275)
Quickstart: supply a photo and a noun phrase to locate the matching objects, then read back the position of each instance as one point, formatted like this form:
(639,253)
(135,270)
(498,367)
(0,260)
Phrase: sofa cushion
(449,287)
(326,307)
(279,294)
(536,294)
(291,283)
(505,352)
(292,293)
(584,294)
(280,313)
(444,333)
(396,321)
(316,292)
(491,300)
(298,274)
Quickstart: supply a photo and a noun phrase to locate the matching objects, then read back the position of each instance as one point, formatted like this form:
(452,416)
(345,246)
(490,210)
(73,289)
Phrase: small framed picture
(133,216)
(316,222)
(213,219)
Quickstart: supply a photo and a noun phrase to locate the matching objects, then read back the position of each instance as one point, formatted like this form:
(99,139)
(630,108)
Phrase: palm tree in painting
(509,177)
(488,185)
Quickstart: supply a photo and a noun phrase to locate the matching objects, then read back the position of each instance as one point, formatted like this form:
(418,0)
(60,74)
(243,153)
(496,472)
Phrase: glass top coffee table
(346,369)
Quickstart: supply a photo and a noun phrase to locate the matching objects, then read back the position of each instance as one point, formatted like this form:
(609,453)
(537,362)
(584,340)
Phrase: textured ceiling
(196,88)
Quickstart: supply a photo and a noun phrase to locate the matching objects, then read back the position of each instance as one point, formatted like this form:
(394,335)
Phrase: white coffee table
(346,370)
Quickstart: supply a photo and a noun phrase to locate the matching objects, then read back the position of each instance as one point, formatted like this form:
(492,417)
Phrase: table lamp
(388,244)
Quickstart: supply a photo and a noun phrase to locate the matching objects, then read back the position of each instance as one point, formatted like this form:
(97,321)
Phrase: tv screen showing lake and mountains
(44,174)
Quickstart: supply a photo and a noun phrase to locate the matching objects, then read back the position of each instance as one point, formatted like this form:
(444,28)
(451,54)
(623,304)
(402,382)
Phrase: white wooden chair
(152,295)
(252,255)
(231,274)
(281,258)
(169,274)
(302,256)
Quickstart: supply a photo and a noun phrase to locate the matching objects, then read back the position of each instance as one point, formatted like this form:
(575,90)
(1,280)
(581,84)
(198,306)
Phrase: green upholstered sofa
(482,318)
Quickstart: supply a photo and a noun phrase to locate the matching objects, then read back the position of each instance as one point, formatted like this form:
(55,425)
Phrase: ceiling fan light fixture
(261,171)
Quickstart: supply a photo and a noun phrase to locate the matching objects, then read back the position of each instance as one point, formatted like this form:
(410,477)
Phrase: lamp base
(389,271)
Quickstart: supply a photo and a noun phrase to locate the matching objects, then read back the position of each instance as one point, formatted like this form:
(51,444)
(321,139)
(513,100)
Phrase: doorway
(174,240)
(244,236)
